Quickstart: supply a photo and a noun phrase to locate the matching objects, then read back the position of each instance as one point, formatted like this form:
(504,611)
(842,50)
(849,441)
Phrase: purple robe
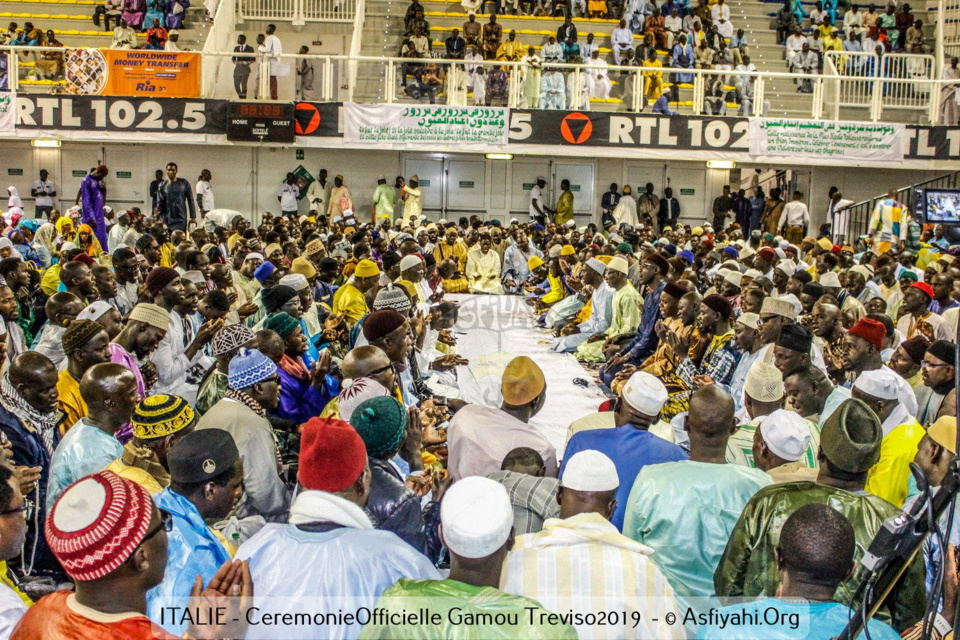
(93,196)
(175,20)
(133,12)
(299,400)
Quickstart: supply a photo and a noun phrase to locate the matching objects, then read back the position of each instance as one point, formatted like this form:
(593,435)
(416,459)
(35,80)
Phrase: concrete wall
(246,178)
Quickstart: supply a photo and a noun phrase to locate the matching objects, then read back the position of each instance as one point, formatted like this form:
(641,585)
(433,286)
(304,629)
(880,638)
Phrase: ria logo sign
(576,128)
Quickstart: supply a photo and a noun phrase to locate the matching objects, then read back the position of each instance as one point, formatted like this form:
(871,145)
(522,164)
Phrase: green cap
(851,437)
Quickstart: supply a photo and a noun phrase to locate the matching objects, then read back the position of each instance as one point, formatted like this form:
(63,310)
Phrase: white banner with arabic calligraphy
(826,139)
(415,124)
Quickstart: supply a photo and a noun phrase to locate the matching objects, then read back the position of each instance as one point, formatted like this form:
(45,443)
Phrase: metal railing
(299,12)
(699,91)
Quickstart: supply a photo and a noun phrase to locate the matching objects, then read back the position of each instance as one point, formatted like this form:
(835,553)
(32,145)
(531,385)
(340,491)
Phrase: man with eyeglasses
(253,390)
(206,482)
(935,396)
(15,512)
(112,541)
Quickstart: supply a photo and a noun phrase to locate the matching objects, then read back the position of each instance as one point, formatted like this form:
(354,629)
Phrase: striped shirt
(584,565)
(534,499)
(740,446)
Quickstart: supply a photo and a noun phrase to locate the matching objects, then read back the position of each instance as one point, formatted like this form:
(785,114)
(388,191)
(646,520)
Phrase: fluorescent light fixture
(721,164)
(47,144)
(499,156)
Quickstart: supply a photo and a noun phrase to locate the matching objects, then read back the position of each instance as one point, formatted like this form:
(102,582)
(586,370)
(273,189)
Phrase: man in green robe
(384,201)
(626,313)
(849,447)
(476,519)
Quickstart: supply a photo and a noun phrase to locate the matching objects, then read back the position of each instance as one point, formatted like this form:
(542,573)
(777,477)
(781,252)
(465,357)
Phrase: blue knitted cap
(264,271)
(248,368)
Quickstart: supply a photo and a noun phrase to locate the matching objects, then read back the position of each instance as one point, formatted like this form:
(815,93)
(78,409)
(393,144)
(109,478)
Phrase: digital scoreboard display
(261,122)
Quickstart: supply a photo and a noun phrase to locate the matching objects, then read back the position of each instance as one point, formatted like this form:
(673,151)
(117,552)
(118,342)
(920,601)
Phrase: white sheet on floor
(497,329)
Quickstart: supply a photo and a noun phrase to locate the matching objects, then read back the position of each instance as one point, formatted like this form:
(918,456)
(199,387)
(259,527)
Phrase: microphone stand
(900,538)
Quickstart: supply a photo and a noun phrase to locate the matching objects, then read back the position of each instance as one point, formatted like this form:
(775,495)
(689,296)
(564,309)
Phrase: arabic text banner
(826,139)
(388,123)
(118,72)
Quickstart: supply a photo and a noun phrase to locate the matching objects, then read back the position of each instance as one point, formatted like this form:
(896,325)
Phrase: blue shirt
(646,341)
(84,450)
(192,550)
(631,449)
(816,620)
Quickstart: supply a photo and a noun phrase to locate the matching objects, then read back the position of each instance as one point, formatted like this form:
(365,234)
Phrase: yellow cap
(605,259)
(534,262)
(408,286)
(697,231)
(522,381)
(567,250)
(825,244)
(944,433)
(366,269)
(304,267)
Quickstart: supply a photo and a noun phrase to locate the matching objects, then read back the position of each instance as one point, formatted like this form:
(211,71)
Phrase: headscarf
(91,247)
(45,236)
(6,242)
(63,221)
(14,200)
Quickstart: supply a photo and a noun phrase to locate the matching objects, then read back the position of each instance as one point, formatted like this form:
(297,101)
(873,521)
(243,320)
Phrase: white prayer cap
(789,267)
(879,383)
(94,310)
(570,224)
(596,265)
(194,276)
(753,274)
(830,279)
(747,252)
(778,239)
(618,263)
(337,218)
(296,281)
(863,271)
(733,277)
(723,272)
(794,300)
(541,179)
(68,246)
(732,265)
(764,382)
(645,393)
(442,221)
(409,262)
(786,433)
(780,253)
(514,221)
(381,177)
(476,517)
(254,256)
(555,251)
(751,320)
(590,470)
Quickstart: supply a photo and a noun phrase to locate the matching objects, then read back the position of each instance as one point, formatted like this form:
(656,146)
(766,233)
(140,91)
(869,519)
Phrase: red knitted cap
(923,286)
(870,330)
(97,523)
(767,254)
(332,455)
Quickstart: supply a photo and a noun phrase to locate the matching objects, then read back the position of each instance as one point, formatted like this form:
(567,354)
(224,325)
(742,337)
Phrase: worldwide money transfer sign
(439,124)
(139,72)
(826,139)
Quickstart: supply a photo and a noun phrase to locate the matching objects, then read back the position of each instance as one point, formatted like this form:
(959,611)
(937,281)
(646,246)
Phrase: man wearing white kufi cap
(764,396)
(582,548)
(598,316)
(476,524)
(626,312)
(780,444)
(630,445)
(889,477)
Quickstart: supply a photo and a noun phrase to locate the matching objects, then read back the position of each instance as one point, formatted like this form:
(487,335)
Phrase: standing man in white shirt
(318,192)
(44,192)
(837,216)
(538,210)
(273,49)
(622,39)
(720,10)
(205,193)
(794,220)
(287,196)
